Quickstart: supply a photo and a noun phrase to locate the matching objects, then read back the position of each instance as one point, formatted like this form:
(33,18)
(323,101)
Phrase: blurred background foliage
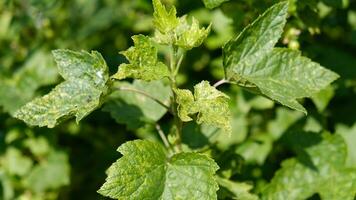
(69,162)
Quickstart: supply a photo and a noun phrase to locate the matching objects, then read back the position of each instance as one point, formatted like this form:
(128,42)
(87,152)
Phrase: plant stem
(145,94)
(174,71)
(222,81)
(178,64)
(163,136)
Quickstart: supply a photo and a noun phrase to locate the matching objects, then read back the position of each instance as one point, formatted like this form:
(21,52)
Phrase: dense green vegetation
(216,99)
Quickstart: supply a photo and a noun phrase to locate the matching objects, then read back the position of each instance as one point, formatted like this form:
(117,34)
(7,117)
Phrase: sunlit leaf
(210,104)
(143,61)
(165,21)
(86,77)
(146,172)
(213,3)
(255,42)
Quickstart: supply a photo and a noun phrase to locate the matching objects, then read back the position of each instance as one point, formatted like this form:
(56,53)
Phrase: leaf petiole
(147,95)
(221,82)
(163,136)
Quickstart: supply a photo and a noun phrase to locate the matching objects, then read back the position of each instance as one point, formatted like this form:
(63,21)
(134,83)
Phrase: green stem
(163,136)
(178,64)
(222,81)
(177,121)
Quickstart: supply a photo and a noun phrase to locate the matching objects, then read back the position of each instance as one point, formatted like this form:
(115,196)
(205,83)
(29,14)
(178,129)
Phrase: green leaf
(280,74)
(213,3)
(146,172)
(235,190)
(135,109)
(255,42)
(186,104)
(210,104)
(349,135)
(86,77)
(171,30)
(16,163)
(256,149)
(186,36)
(323,97)
(191,36)
(284,75)
(52,173)
(163,20)
(143,60)
(7,189)
(39,70)
(337,3)
(325,175)
(283,121)
(38,146)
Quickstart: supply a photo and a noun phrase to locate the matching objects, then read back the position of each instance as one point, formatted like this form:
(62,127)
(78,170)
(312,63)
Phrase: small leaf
(171,30)
(213,3)
(325,175)
(210,104)
(135,109)
(284,75)
(255,42)
(86,77)
(185,101)
(143,60)
(165,21)
(192,36)
(146,172)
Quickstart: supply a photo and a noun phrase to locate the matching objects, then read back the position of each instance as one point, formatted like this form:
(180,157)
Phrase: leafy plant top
(146,91)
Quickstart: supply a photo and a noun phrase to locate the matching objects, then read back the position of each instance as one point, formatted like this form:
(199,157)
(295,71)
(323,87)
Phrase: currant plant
(150,170)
